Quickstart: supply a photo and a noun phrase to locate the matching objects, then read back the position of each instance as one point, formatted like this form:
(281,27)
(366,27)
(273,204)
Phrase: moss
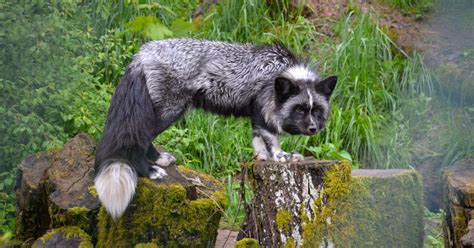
(290,243)
(246,243)
(365,211)
(334,196)
(163,215)
(283,218)
(77,216)
(93,191)
(70,232)
(146,245)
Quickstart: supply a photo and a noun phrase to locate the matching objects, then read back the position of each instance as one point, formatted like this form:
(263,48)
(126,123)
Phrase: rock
(459,180)
(321,204)
(64,237)
(56,192)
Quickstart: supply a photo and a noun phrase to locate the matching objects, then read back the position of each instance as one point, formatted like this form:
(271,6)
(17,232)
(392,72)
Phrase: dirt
(225,238)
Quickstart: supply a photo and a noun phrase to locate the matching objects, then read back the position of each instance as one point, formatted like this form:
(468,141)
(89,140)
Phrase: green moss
(93,191)
(365,211)
(335,194)
(246,243)
(163,215)
(290,243)
(146,245)
(283,219)
(77,216)
(70,232)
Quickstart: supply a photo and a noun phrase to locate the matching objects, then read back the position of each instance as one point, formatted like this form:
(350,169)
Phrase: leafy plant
(7,202)
(235,211)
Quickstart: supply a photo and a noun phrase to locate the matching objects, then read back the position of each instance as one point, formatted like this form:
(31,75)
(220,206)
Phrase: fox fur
(266,83)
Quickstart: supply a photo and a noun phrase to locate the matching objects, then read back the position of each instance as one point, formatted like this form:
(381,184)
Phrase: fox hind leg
(160,158)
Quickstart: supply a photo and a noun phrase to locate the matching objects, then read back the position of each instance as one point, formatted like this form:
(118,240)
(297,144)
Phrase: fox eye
(299,110)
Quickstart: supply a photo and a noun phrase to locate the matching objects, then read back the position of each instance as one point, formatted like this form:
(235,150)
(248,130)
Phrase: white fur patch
(300,72)
(165,159)
(158,173)
(259,149)
(115,187)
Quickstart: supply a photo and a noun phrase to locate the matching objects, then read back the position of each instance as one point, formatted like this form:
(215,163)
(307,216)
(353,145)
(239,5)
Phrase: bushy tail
(115,185)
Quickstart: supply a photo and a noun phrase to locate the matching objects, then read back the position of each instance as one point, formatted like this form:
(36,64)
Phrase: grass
(417,7)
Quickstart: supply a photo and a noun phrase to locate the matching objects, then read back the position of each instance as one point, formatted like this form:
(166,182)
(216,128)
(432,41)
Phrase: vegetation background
(61,60)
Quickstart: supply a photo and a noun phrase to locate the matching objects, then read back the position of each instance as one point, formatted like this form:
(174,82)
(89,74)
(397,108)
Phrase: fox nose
(312,129)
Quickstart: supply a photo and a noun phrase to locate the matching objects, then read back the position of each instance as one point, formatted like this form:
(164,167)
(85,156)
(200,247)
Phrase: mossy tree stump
(57,205)
(321,204)
(183,210)
(54,190)
(459,225)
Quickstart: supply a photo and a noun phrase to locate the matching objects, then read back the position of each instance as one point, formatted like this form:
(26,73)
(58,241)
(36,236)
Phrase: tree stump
(459,224)
(57,204)
(320,204)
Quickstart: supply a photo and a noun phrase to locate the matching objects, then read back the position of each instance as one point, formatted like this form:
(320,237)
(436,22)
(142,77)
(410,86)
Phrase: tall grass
(373,78)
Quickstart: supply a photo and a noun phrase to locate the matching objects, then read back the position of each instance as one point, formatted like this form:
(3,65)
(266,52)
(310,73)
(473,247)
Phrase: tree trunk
(57,204)
(322,204)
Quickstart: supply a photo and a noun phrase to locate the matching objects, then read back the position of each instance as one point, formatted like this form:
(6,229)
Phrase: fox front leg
(267,147)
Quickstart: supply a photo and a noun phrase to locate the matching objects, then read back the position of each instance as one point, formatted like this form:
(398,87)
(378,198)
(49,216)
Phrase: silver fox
(166,78)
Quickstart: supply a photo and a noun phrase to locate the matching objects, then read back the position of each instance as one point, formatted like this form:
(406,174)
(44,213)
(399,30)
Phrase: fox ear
(326,86)
(284,88)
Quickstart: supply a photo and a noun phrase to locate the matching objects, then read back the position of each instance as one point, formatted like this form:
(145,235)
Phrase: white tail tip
(115,186)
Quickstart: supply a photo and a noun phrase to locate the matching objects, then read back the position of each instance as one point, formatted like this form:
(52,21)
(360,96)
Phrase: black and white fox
(167,78)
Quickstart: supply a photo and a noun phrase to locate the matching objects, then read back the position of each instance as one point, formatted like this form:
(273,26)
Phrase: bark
(459,190)
(322,204)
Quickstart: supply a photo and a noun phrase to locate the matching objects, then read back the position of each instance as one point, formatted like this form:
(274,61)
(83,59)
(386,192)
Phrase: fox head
(302,100)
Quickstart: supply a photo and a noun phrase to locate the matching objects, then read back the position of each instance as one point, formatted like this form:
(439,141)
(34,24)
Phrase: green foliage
(373,79)
(60,63)
(417,7)
(434,236)
(235,211)
(7,202)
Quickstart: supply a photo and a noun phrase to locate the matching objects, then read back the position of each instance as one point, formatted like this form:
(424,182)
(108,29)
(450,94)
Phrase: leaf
(182,28)
(156,31)
(8,181)
(149,27)
(140,23)
(345,155)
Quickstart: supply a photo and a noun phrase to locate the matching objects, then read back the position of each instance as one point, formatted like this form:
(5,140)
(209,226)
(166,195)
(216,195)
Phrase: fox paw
(157,173)
(165,159)
(261,156)
(282,156)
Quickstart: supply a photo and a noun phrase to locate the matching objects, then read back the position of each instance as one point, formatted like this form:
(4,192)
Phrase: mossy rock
(64,237)
(165,214)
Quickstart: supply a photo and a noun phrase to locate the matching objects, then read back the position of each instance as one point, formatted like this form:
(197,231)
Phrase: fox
(278,91)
